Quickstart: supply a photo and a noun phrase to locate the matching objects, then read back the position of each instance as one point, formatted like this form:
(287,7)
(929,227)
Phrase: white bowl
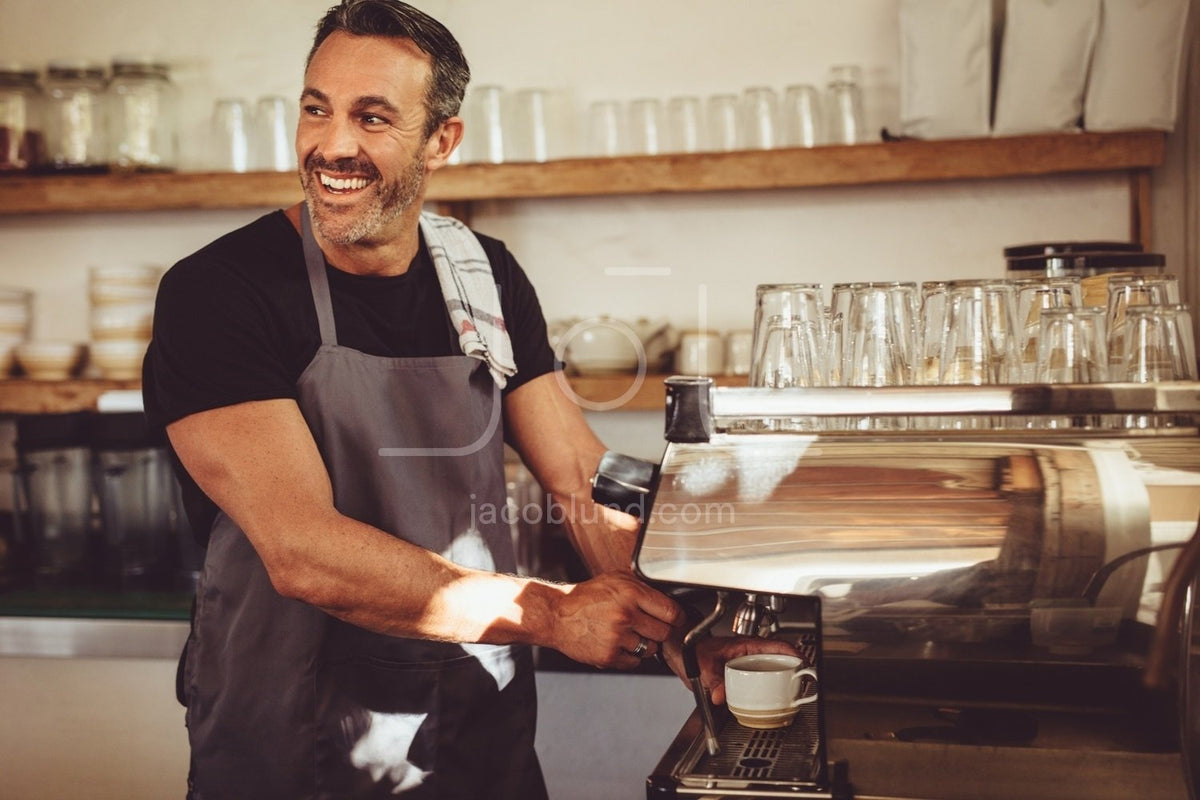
(108,294)
(602,345)
(122,321)
(118,359)
(48,360)
(125,274)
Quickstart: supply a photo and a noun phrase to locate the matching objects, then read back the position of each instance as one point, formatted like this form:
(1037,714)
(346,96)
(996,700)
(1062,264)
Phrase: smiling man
(337,381)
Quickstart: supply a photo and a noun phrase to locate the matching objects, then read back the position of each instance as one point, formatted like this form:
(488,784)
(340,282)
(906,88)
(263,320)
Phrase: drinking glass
(1133,290)
(1159,344)
(647,133)
(797,307)
(483,116)
(530,127)
(274,146)
(723,129)
(685,125)
(606,128)
(792,354)
(932,320)
(846,118)
(977,346)
(230,141)
(1035,295)
(878,335)
(760,118)
(1071,346)
(803,116)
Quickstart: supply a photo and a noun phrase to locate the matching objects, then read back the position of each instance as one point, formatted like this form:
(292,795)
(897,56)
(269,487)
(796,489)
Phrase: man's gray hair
(398,20)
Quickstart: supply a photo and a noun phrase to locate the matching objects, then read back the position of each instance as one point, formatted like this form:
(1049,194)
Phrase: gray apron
(285,701)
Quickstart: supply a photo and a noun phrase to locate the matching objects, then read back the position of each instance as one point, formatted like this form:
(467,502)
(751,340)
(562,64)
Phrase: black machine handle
(624,482)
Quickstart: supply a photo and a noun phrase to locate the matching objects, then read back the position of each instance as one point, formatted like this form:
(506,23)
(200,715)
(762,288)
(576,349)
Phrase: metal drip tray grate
(779,757)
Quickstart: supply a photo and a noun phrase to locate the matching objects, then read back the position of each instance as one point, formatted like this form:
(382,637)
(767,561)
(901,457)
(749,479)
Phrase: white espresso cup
(766,690)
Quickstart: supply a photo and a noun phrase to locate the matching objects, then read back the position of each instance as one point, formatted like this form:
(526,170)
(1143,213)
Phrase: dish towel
(472,296)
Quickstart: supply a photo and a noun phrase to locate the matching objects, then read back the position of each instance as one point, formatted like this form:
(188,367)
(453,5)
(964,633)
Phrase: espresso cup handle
(798,682)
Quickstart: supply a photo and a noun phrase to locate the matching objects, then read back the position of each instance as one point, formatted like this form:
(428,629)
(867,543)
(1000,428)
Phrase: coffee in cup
(766,690)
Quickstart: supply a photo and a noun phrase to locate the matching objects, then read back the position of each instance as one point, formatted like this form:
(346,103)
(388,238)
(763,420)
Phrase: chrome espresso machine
(975,572)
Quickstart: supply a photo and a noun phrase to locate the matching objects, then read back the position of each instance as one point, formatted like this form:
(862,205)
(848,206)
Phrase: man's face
(361,139)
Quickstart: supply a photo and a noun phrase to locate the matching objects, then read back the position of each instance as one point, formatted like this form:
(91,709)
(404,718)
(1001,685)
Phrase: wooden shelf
(23,396)
(593,392)
(890,162)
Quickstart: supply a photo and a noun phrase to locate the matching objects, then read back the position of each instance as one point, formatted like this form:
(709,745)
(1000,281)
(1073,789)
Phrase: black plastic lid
(124,431)
(1093,262)
(1058,248)
(51,432)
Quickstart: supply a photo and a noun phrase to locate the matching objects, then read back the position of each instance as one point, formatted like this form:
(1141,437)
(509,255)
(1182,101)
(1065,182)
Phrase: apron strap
(318,280)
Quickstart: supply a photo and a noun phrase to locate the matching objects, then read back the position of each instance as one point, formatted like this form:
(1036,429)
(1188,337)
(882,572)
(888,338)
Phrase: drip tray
(781,758)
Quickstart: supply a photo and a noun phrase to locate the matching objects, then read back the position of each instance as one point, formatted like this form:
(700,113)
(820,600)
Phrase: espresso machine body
(976,557)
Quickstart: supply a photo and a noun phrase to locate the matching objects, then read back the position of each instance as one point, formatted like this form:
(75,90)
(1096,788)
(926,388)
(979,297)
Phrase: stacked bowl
(122,308)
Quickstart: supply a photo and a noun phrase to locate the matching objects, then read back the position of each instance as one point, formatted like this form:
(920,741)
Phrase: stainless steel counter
(60,637)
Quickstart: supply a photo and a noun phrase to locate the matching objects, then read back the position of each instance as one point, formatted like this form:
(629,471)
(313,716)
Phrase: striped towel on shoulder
(472,296)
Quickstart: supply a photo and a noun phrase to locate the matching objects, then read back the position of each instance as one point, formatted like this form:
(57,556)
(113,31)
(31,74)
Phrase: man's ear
(442,143)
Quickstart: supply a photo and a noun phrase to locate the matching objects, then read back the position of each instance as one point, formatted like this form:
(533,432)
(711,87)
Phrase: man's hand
(713,652)
(602,621)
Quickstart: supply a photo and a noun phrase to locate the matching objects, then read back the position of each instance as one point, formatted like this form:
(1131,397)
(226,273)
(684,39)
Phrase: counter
(98,695)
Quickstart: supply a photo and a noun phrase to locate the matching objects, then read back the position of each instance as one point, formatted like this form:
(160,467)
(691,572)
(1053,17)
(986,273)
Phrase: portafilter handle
(624,482)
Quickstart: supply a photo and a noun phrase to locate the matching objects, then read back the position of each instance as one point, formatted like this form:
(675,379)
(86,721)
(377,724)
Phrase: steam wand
(691,668)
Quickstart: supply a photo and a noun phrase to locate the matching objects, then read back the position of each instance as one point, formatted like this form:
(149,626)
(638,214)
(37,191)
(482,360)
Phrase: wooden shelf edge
(910,161)
(22,396)
(157,191)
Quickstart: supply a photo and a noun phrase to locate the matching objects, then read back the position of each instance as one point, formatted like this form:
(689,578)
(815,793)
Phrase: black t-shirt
(236,322)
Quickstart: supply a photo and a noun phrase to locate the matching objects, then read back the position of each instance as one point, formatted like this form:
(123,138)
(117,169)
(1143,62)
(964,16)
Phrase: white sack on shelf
(1044,65)
(945,68)
(1135,74)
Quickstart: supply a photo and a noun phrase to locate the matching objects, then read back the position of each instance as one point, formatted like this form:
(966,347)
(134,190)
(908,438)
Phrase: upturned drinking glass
(1071,346)
(797,306)
(1159,344)
(1133,290)
(978,346)
(1035,295)
(879,333)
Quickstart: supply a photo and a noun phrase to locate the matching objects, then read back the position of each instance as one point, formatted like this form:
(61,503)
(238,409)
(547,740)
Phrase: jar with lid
(1059,259)
(21,133)
(142,108)
(76,131)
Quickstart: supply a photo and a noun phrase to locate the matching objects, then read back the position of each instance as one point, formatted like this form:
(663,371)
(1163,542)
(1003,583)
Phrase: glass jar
(76,132)
(142,108)
(21,132)
(53,499)
(133,479)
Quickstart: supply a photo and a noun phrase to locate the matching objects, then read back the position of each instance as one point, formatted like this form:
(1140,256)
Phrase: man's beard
(385,201)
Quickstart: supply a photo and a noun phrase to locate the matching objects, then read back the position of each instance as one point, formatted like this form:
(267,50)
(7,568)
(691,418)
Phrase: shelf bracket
(1139,208)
